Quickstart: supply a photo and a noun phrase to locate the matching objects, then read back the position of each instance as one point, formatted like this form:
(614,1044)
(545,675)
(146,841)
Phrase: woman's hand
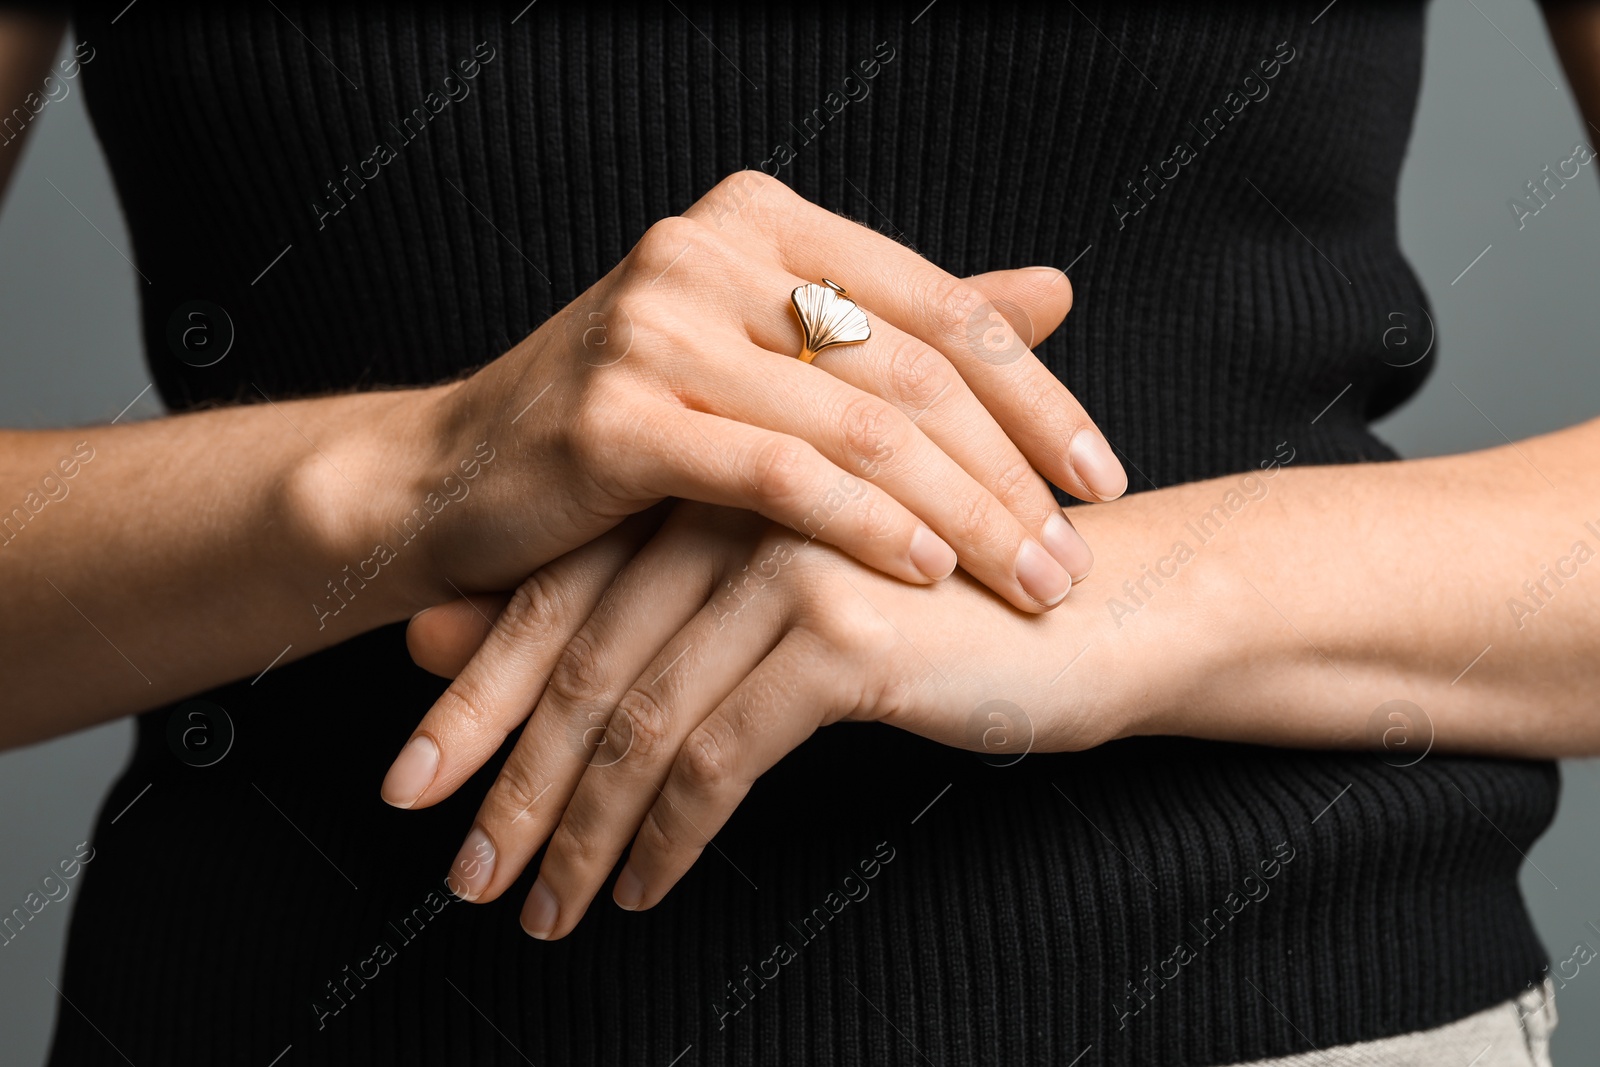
(673,377)
(718,648)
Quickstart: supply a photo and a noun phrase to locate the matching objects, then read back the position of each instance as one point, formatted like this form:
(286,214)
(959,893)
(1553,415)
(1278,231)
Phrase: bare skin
(27,45)
(1287,605)
(1283,606)
(276,529)
(1328,592)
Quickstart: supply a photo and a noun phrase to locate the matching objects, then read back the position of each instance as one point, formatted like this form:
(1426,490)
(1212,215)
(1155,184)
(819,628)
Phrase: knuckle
(740,193)
(646,722)
(866,429)
(876,518)
(750,182)
(954,305)
(665,241)
(643,324)
(656,837)
(599,330)
(466,702)
(972,520)
(706,761)
(578,679)
(917,375)
(743,186)
(572,846)
(757,213)
(778,469)
(514,793)
(635,306)
(534,606)
(1014,478)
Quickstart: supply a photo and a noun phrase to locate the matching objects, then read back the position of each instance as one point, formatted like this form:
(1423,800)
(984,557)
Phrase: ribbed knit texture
(1224,317)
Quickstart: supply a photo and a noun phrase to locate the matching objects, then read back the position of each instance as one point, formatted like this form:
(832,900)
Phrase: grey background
(1514,337)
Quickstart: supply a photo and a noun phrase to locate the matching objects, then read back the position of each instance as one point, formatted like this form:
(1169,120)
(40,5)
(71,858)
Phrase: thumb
(1034,300)
(442,639)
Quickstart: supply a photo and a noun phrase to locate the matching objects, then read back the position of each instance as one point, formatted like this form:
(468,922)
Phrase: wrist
(1156,616)
(352,495)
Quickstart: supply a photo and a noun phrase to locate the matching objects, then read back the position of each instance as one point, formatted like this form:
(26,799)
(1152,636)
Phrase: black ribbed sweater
(1220,177)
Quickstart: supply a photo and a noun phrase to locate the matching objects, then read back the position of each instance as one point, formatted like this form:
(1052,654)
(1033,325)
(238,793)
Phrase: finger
(1033,300)
(690,676)
(775,708)
(869,437)
(1035,407)
(1008,556)
(1034,316)
(788,480)
(660,590)
(442,639)
(1036,410)
(504,677)
(1004,373)
(926,388)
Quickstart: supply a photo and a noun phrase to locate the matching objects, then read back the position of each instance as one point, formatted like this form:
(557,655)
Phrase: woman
(1133,824)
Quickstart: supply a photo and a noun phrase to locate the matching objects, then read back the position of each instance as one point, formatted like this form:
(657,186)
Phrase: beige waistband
(1515,1033)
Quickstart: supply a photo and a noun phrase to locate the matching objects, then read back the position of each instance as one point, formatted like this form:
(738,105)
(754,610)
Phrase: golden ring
(828,317)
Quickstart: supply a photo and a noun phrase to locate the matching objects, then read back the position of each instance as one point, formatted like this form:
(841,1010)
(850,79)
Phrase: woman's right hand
(674,376)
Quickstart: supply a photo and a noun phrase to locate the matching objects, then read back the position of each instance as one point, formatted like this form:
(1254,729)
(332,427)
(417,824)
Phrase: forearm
(1285,609)
(144,562)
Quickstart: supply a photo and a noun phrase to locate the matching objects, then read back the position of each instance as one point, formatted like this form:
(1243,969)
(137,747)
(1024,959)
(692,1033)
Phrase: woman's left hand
(719,648)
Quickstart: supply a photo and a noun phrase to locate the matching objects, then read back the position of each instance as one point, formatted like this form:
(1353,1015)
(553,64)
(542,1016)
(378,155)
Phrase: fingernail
(1068,547)
(930,555)
(473,867)
(629,892)
(539,913)
(1096,465)
(1041,576)
(411,773)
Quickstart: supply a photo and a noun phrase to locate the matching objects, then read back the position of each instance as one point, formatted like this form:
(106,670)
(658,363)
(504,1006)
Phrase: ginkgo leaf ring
(828,317)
